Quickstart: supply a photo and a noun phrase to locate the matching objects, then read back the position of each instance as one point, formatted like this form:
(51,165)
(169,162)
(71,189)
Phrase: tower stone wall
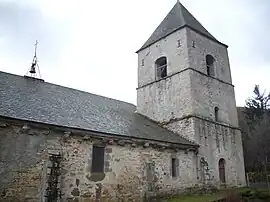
(169,98)
(192,102)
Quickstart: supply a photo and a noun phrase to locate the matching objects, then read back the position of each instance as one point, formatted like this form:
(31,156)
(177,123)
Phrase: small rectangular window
(178,43)
(193,44)
(216,114)
(174,167)
(149,176)
(98,159)
(142,62)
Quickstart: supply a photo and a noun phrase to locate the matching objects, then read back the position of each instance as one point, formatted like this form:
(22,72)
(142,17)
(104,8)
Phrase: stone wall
(216,141)
(184,101)
(187,90)
(203,47)
(159,100)
(22,164)
(177,56)
(168,99)
(127,177)
(132,169)
(219,141)
(208,93)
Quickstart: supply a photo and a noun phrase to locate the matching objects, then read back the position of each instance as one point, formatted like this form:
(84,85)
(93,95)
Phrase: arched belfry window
(216,114)
(210,65)
(161,67)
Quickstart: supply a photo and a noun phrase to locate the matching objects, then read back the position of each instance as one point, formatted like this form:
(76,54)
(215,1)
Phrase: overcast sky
(90,45)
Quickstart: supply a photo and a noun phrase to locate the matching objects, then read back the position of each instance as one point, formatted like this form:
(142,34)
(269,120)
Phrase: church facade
(61,144)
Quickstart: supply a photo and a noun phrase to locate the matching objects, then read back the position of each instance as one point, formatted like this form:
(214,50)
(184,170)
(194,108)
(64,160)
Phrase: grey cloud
(22,25)
(252,41)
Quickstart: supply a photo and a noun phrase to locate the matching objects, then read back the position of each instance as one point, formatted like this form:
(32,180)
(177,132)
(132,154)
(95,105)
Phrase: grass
(197,198)
(211,197)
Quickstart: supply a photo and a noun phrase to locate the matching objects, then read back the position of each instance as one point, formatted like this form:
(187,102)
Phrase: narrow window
(142,62)
(174,167)
(98,159)
(150,169)
(193,44)
(178,43)
(210,65)
(216,114)
(161,67)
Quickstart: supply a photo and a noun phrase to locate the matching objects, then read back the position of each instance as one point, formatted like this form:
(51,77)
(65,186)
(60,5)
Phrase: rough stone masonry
(62,144)
(133,169)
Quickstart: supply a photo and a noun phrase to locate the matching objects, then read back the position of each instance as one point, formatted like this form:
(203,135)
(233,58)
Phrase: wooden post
(247,177)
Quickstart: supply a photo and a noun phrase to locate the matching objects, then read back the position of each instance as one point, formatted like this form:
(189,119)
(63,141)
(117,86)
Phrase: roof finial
(34,65)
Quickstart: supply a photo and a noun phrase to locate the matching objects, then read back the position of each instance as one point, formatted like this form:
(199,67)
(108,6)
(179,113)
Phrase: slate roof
(35,100)
(177,18)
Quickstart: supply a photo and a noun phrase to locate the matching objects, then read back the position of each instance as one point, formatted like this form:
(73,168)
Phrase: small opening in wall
(210,60)
(98,159)
(193,44)
(142,62)
(216,114)
(178,43)
(174,167)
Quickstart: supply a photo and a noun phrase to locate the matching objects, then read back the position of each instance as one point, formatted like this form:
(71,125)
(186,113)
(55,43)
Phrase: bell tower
(184,83)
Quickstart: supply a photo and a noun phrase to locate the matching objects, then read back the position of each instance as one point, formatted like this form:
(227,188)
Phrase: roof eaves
(96,132)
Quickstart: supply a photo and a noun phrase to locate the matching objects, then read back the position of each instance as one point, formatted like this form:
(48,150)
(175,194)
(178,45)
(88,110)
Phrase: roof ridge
(82,91)
(181,7)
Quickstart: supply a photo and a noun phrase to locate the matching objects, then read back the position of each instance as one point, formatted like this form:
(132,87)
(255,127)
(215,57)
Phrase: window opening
(174,167)
(161,67)
(216,114)
(210,65)
(98,159)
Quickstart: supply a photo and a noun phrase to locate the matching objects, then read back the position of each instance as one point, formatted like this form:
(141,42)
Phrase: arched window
(210,61)
(216,114)
(161,67)
(221,166)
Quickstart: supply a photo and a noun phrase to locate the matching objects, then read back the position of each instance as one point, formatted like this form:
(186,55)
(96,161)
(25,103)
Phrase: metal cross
(36,48)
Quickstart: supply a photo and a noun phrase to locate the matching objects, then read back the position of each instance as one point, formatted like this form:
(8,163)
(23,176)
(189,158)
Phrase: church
(62,144)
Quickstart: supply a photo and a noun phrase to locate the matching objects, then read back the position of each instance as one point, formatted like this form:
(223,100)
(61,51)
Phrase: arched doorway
(221,166)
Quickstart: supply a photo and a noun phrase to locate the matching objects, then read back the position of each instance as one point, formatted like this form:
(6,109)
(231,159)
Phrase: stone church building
(62,144)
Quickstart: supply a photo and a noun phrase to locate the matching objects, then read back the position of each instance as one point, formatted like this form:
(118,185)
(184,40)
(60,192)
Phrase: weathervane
(34,65)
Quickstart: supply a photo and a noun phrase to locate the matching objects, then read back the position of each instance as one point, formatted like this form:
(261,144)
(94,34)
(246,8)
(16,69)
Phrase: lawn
(197,198)
(211,197)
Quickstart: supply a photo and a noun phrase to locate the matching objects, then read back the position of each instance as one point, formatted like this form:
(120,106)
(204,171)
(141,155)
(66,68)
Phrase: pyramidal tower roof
(177,18)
